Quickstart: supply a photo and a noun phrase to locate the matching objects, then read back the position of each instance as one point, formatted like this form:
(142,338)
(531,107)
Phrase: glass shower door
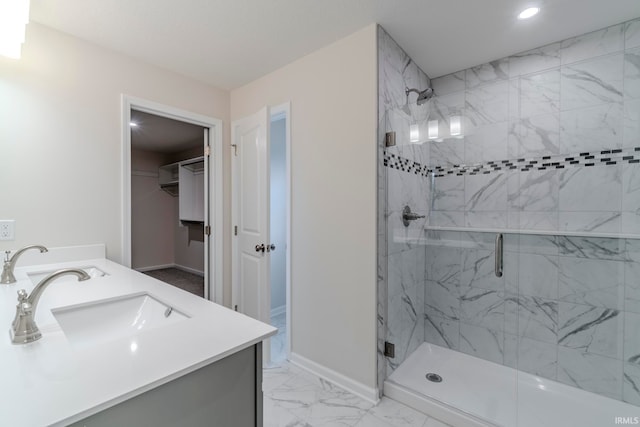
(578,331)
(446,321)
(406,183)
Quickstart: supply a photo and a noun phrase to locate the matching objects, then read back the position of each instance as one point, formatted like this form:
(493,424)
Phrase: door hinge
(235,307)
(389,350)
(207,230)
(235,149)
(207,151)
(390,139)
(235,230)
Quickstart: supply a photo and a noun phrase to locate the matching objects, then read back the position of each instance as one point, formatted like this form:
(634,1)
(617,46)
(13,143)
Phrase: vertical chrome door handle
(498,266)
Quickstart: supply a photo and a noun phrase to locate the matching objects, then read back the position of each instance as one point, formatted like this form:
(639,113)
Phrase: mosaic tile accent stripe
(584,159)
(400,163)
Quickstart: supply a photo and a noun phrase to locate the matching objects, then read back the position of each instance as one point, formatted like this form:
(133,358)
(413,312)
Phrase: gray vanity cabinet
(227,393)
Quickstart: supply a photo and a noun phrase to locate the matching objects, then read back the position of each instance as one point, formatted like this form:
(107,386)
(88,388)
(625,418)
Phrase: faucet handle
(24,305)
(6,255)
(23,308)
(23,328)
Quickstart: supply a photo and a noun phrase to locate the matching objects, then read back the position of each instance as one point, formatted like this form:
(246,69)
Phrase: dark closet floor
(187,281)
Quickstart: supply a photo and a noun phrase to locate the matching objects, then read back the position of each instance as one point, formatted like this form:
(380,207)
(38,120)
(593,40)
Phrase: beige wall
(157,236)
(333,98)
(189,246)
(60,134)
(60,168)
(154,213)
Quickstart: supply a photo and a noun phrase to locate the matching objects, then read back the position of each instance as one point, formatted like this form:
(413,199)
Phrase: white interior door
(251,245)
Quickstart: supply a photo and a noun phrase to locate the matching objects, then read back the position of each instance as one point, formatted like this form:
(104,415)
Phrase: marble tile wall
(566,308)
(574,96)
(401,268)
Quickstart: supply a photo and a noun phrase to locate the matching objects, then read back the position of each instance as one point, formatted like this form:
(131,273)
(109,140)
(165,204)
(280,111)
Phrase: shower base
(477,393)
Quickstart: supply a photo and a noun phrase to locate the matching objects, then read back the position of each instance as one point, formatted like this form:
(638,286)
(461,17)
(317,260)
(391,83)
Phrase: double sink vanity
(121,348)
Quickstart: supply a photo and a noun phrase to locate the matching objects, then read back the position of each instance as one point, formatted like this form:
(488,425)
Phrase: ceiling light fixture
(14,17)
(528,13)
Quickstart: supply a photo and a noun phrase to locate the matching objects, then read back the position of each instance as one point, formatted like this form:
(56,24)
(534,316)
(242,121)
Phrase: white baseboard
(367,393)
(189,270)
(278,310)
(154,267)
(179,267)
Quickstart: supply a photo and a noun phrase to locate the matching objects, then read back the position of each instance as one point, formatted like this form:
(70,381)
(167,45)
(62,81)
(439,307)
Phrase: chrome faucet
(10,263)
(23,328)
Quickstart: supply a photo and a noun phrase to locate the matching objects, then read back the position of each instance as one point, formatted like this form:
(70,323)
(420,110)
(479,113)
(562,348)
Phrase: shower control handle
(407,216)
(412,216)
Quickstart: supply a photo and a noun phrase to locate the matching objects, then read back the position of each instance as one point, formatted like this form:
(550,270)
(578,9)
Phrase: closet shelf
(535,232)
(192,221)
(171,188)
(185,179)
(168,174)
(194,165)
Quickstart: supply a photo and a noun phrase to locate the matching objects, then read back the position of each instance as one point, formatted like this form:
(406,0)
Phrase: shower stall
(509,234)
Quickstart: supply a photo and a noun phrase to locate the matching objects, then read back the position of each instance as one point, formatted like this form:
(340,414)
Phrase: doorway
(167,200)
(172,196)
(261,216)
(278,233)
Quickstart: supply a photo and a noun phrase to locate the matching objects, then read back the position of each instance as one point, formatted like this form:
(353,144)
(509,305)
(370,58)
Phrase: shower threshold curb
(433,408)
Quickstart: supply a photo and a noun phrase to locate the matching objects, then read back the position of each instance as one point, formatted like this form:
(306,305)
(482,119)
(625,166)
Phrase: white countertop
(50,382)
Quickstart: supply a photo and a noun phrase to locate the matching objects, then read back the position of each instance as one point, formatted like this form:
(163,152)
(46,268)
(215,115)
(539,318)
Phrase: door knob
(260,248)
(271,247)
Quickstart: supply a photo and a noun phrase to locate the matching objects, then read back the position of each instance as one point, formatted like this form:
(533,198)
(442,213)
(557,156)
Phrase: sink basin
(92,271)
(109,319)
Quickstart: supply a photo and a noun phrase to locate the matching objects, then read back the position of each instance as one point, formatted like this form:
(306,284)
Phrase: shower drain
(434,378)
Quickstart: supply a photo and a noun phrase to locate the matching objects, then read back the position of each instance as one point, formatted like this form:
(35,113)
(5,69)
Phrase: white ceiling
(228,43)
(163,135)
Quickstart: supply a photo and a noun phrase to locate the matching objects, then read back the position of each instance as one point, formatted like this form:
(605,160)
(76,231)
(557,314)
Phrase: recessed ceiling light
(133,124)
(528,13)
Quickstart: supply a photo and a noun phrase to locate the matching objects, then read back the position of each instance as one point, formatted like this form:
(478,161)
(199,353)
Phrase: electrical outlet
(7,229)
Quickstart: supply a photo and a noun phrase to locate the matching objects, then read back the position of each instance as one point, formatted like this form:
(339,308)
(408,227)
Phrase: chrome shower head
(423,95)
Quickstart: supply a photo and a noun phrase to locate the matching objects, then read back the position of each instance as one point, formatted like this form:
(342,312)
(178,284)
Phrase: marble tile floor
(279,341)
(295,398)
